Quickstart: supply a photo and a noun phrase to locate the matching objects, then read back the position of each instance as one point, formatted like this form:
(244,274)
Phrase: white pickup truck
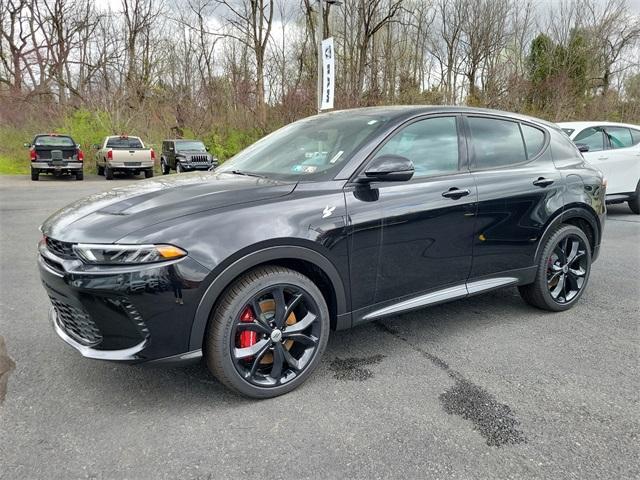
(122,153)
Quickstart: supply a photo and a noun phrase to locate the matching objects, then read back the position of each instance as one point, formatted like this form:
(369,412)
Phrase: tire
(221,339)
(634,203)
(100,170)
(108,173)
(179,168)
(148,173)
(35,175)
(80,176)
(164,167)
(557,252)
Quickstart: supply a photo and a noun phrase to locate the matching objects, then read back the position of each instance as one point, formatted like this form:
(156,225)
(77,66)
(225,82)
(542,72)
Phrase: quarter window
(533,140)
(636,136)
(496,143)
(619,137)
(591,137)
(431,144)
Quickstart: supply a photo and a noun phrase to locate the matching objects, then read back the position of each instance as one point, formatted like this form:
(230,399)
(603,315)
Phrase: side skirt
(473,287)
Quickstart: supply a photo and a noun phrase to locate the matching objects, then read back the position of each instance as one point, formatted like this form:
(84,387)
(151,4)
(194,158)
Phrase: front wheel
(634,203)
(563,271)
(268,332)
(164,167)
(179,168)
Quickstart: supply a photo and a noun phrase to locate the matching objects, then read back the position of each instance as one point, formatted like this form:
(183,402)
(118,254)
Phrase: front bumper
(126,314)
(195,166)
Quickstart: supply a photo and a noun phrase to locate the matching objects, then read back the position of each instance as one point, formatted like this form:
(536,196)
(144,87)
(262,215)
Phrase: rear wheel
(268,332)
(100,170)
(108,173)
(35,175)
(634,203)
(563,271)
(148,173)
(79,175)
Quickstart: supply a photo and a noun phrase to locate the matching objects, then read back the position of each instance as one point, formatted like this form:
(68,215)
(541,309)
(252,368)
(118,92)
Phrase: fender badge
(327,211)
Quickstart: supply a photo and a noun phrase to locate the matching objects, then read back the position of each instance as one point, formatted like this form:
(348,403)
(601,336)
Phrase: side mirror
(78,146)
(171,149)
(26,145)
(206,148)
(389,168)
(96,146)
(582,147)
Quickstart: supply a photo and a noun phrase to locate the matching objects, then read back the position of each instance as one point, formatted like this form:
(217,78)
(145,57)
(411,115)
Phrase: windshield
(312,147)
(190,146)
(124,142)
(568,131)
(54,141)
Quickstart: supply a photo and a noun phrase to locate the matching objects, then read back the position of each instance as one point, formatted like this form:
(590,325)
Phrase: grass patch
(13,166)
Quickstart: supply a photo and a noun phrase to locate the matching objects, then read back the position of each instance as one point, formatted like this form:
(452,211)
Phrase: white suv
(613,148)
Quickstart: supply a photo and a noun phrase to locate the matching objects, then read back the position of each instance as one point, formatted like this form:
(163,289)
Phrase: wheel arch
(302,259)
(579,215)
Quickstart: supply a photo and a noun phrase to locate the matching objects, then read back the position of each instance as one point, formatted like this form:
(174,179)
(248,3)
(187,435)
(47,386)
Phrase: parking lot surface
(485,387)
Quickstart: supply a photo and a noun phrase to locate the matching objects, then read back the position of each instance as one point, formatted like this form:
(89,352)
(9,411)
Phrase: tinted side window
(431,144)
(592,137)
(496,143)
(635,134)
(619,137)
(533,140)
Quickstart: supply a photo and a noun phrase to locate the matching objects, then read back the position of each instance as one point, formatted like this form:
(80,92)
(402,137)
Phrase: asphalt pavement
(485,387)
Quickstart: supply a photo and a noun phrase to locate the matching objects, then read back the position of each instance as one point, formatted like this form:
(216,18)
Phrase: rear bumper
(124,166)
(46,166)
(127,314)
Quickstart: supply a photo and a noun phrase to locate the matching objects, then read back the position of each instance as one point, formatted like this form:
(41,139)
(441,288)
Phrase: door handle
(603,158)
(456,193)
(542,182)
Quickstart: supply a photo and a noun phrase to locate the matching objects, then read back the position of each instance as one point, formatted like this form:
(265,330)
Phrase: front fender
(287,252)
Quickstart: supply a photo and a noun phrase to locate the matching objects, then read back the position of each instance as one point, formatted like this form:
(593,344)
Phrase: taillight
(110,155)
(80,155)
(153,154)
(33,154)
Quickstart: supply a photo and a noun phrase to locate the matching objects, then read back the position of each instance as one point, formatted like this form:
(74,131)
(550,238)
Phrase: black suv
(329,222)
(55,154)
(185,155)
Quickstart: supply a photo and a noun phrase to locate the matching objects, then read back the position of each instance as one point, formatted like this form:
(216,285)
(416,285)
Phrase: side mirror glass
(389,168)
(582,147)
(96,146)
(26,145)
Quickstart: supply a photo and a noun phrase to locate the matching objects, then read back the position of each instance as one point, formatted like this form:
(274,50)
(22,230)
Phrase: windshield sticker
(336,157)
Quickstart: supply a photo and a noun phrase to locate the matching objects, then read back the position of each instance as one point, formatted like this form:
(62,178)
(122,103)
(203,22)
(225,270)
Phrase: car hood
(108,216)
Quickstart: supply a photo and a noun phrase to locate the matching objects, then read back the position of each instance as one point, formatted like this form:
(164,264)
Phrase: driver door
(413,237)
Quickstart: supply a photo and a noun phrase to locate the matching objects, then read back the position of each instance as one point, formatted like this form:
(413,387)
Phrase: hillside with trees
(228,71)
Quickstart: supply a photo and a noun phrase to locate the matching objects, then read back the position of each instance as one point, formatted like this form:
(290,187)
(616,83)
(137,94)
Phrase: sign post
(328,74)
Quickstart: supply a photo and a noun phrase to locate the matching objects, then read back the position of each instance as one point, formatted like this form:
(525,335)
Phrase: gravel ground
(486,387)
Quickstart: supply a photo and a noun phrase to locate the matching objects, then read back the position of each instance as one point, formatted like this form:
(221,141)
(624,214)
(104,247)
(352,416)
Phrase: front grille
(77,323)
(61,249)
(199,159)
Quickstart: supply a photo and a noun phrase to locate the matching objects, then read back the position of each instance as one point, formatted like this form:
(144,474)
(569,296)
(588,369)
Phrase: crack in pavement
(495,421)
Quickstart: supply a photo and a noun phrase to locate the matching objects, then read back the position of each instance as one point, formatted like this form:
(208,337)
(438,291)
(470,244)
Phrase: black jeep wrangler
(185,155)
(56,154)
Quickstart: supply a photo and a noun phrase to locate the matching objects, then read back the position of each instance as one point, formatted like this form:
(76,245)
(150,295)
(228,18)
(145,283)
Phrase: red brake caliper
(247,337)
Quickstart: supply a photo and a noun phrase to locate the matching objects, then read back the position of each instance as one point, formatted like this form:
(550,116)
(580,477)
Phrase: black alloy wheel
(567,268)
(563,270)
(268,333)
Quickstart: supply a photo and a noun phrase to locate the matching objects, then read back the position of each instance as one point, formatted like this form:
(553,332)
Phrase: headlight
(127,254)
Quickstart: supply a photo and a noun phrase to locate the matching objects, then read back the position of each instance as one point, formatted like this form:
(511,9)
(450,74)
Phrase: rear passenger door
(519,189)
(621,163)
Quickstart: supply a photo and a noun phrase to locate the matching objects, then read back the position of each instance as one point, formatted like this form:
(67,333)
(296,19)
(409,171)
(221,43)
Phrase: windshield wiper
(247,174)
